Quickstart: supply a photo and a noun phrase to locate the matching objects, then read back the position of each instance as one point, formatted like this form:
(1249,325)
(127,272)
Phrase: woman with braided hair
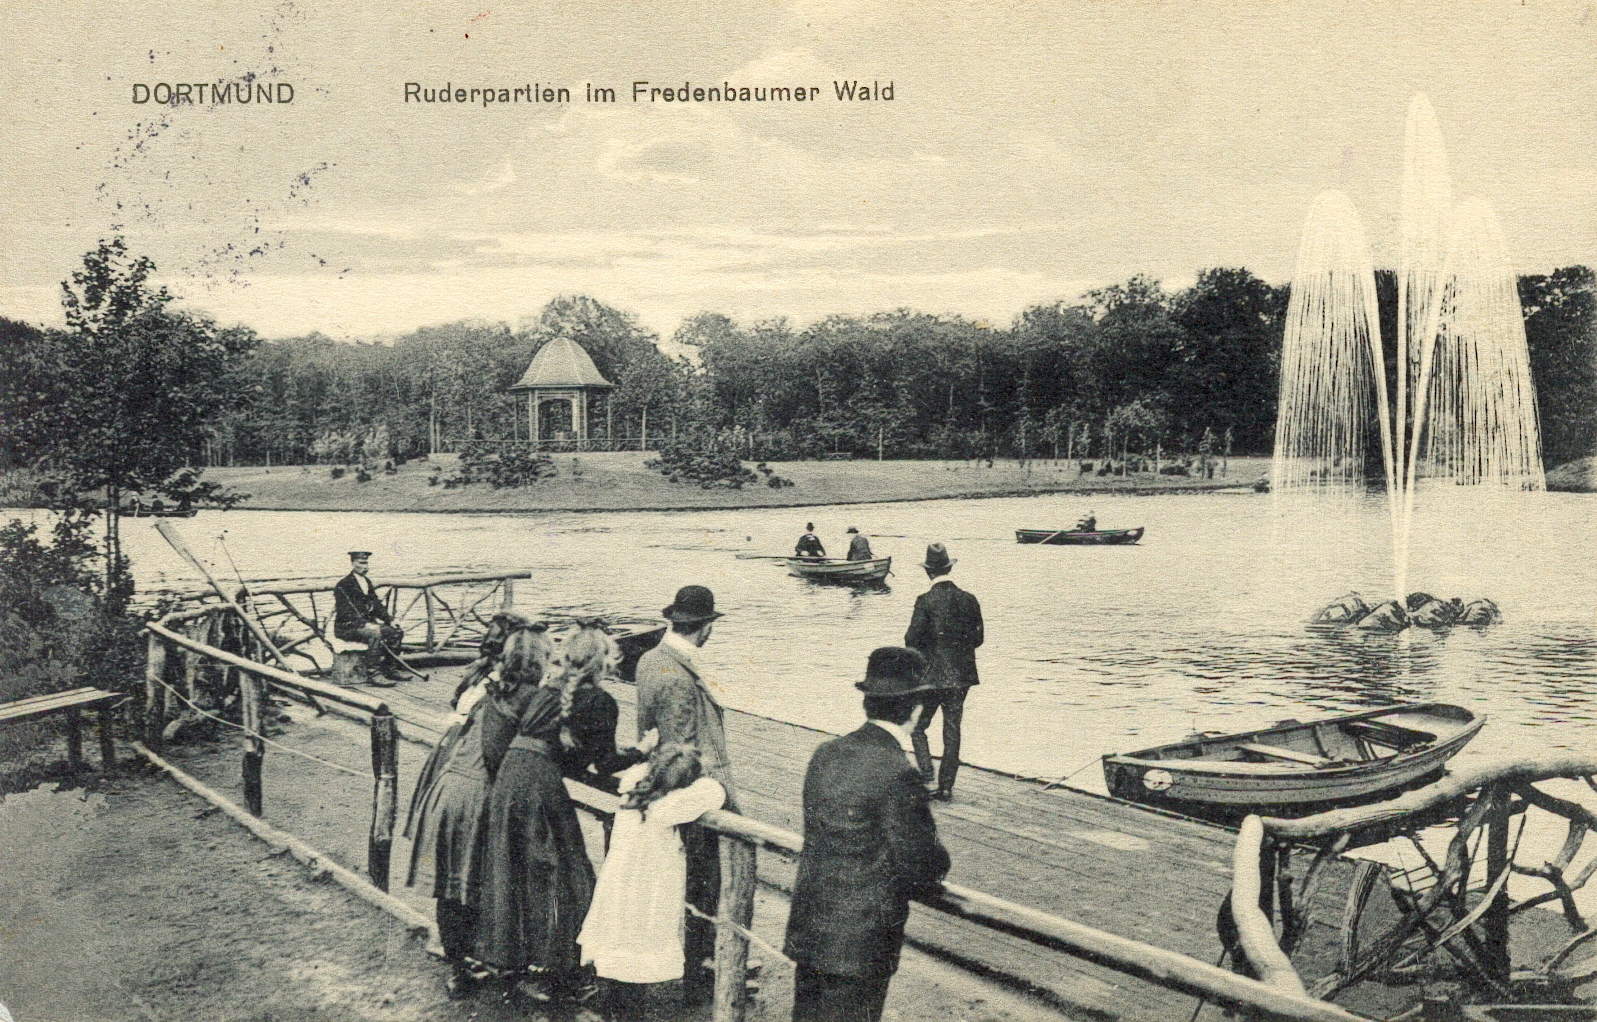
(633,932)
(588,713)
(537,879)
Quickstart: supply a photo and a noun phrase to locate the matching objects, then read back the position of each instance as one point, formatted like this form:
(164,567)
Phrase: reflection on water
(1089,649)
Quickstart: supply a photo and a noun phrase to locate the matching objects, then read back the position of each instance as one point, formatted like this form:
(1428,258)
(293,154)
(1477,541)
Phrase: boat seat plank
(1392,736)
(1276,752)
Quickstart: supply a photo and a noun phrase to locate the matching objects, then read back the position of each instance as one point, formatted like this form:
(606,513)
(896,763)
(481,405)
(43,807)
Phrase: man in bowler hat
(675,700)
(870,845)
(947,628)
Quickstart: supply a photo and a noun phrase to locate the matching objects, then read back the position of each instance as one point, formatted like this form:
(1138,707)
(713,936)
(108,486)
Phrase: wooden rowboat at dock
(831,569)
(1078,537)
(1294,768)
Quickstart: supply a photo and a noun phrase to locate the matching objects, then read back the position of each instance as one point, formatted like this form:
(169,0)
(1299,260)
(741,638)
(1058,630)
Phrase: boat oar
(169,532)
(310,697)
(764,557)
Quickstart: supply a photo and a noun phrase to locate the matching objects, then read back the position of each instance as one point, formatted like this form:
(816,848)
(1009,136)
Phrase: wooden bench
(71,703)
(1276,752)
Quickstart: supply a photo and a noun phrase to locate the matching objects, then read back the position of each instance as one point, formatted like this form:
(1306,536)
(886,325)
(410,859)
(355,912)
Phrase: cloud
(491,181)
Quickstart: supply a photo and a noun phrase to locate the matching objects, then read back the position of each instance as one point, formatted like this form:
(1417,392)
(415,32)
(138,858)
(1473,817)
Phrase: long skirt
(429,774)
(537,880)
(450,845)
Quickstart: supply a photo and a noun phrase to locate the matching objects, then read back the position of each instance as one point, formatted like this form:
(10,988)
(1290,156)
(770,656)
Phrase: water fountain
(1452,401)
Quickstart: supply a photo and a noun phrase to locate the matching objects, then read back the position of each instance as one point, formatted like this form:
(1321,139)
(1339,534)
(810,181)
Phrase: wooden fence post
(1494,923)
(74,740)
(427,592)
(252,696)
(731,947)
(385,795)
(154,691)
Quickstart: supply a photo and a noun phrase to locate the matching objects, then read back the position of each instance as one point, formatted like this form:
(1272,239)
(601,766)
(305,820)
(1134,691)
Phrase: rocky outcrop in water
(1419,610)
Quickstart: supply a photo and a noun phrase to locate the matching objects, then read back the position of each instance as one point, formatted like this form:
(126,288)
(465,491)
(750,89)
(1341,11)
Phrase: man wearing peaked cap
(359,615)
(674,699)
(870,844)
(947,628)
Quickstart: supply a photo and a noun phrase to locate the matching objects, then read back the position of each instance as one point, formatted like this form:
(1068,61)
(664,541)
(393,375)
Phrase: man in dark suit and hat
(946,627)
(360,616)
(675,700)
(870,845)
(809,544)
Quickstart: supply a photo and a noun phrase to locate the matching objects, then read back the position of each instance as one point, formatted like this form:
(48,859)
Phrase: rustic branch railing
(1485,796)
(253,678)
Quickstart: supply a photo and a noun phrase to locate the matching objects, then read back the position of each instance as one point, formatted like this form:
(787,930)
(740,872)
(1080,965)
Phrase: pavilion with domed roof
(559,385)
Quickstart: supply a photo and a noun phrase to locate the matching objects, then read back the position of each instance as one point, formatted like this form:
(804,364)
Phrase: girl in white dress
(633,931)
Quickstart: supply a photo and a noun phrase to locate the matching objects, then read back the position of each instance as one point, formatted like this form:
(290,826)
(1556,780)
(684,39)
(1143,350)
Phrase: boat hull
(1230,776)
(1099,537)
(841,572)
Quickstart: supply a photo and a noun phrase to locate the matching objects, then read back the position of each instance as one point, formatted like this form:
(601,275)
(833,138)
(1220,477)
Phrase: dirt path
(136,900)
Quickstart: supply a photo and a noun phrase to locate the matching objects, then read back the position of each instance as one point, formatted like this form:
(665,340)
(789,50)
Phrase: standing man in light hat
(360,616)
(946,627)
(870,844)
(675,700)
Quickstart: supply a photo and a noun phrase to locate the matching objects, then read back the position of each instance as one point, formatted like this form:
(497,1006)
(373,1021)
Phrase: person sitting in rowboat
(859,548)
(1087,524)
(809,544)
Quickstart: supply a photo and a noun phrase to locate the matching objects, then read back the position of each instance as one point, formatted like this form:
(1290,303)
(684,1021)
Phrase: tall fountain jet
(1456,402)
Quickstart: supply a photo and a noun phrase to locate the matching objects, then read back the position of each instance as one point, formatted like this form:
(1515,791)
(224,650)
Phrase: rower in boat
(1087,523)
(809,544)
(859,548)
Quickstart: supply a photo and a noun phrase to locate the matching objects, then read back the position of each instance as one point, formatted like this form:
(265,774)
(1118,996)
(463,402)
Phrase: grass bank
(619,481)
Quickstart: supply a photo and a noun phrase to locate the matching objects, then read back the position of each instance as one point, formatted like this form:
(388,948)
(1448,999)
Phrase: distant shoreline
(600,482)
(614,481)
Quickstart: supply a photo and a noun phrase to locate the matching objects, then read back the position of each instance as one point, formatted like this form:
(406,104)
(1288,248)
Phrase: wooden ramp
(1131,872)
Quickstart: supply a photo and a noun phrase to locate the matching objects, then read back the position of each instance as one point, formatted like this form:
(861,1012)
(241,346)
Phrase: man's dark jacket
(946,627)
(869,843)
(354,607)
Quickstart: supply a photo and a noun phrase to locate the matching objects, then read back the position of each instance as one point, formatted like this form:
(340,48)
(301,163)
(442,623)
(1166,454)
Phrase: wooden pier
(1099,908)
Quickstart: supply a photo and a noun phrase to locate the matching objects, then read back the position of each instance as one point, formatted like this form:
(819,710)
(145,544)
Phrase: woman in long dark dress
(588,713)
(537,880)
(450,842)
(475,674)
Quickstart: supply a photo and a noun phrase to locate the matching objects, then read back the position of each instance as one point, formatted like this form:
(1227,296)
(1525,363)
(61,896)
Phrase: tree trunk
(113,536)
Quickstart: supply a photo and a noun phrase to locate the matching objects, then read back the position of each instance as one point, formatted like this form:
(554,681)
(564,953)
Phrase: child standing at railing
(633,932)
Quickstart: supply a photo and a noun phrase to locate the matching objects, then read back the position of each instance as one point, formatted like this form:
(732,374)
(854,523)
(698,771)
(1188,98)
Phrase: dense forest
(1128,366)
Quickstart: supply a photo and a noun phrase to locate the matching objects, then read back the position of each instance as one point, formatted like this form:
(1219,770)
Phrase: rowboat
(1077,537)
(832,569)
(1294,768)
(140,511)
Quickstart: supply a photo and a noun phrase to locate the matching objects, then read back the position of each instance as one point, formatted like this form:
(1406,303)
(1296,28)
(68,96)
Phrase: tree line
(1123,368)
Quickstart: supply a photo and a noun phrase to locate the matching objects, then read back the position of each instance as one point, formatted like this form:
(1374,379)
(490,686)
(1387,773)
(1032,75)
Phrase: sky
(1030,151)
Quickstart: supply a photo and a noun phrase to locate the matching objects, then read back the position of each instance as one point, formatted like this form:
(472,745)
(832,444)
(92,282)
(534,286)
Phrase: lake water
(1089,649)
